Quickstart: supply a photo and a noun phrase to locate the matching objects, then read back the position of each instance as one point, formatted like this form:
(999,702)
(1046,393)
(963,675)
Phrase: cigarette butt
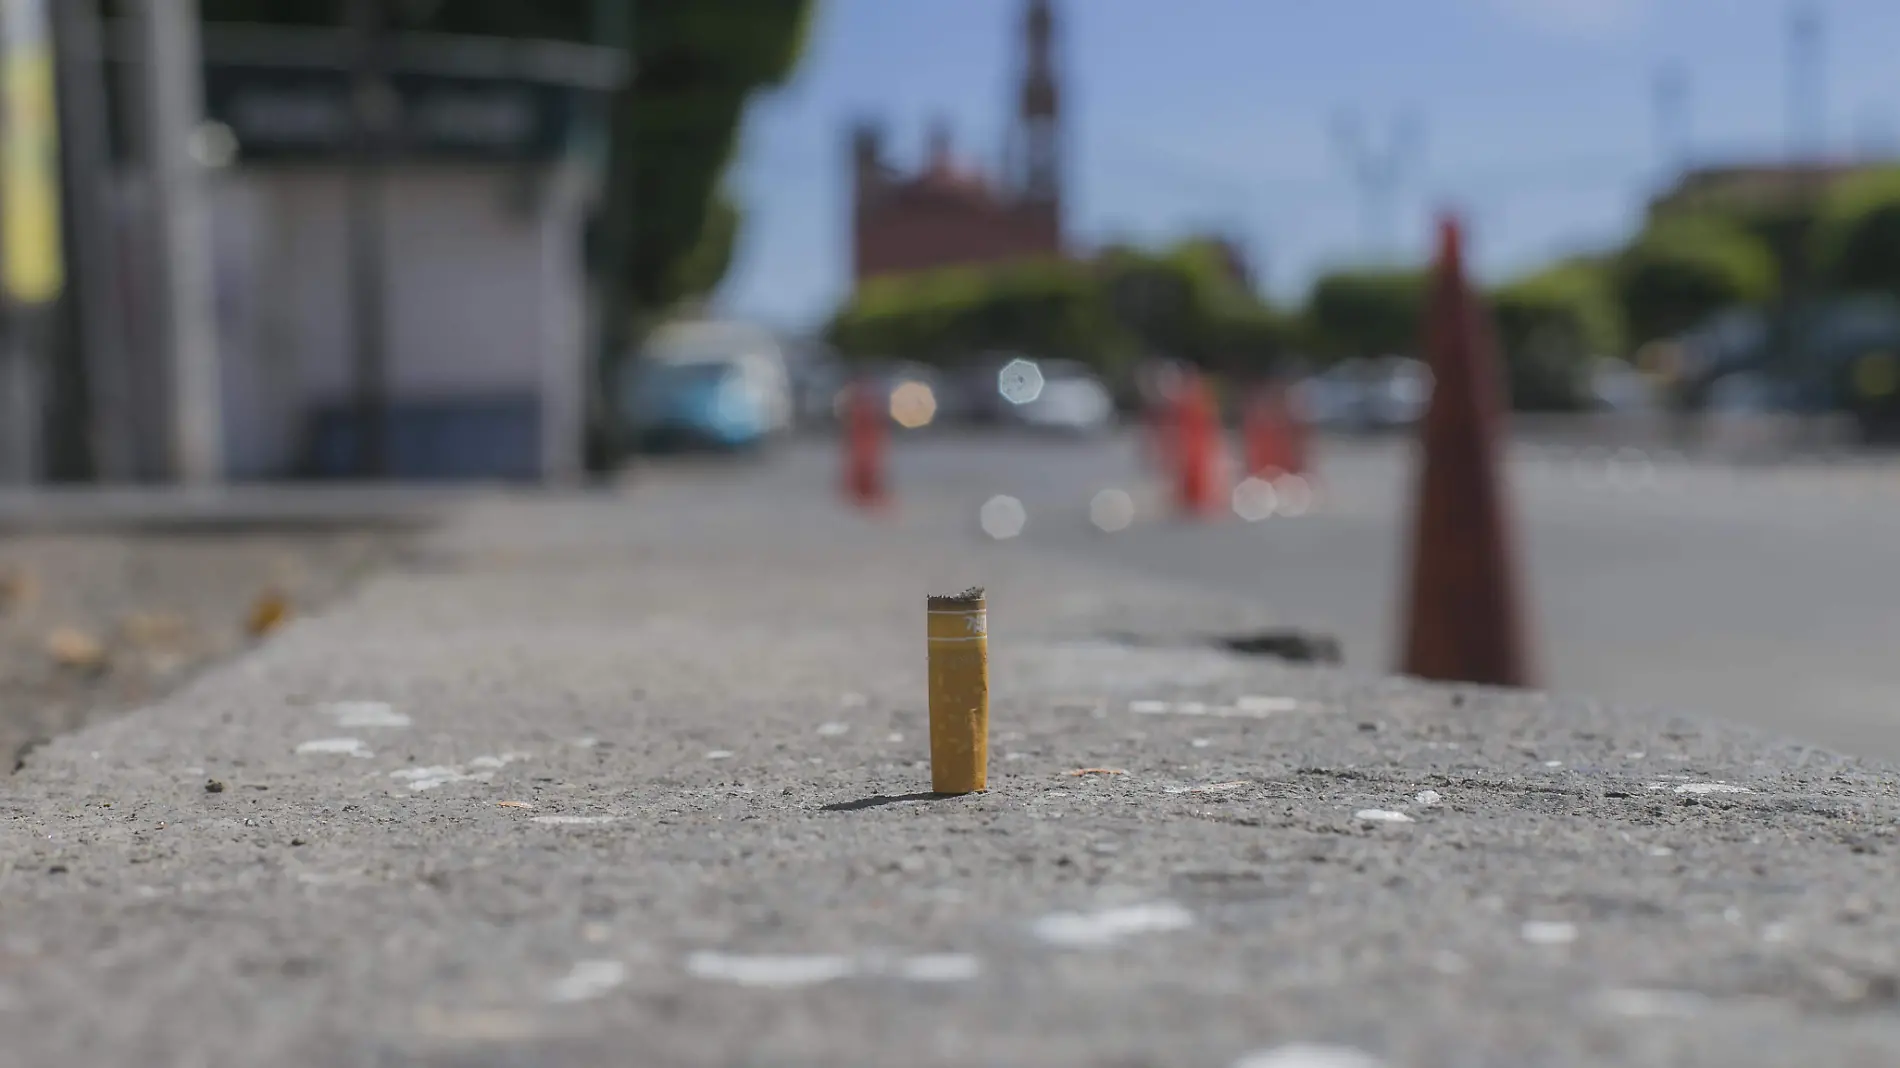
(958,630)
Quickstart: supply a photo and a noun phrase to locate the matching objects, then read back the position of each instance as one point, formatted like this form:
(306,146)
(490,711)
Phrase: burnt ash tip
(970,598)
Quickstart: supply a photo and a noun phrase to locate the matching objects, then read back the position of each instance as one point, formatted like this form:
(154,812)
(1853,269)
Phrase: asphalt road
(1767,595)
(639,779)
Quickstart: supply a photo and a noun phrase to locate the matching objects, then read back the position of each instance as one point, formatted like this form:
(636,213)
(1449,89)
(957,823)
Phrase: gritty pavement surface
(102,620)
(638,781)
(1751,592)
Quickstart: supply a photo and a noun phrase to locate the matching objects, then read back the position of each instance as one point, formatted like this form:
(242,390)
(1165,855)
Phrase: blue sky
(1537,119)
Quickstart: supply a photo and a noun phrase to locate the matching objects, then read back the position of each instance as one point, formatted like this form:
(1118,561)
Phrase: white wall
(485,297)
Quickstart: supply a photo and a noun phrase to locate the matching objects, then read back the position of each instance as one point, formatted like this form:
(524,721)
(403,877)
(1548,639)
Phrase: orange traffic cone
(1274,440)
(864,433)
(1197,450)
(1464,621)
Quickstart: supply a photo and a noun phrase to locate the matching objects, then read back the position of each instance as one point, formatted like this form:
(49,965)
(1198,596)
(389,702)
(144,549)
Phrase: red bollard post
(1197,450)
(1464,619)
(1266,439)
(1271,436)
(864,439)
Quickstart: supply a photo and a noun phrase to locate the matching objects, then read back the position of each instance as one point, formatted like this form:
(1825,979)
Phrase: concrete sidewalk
(638,782)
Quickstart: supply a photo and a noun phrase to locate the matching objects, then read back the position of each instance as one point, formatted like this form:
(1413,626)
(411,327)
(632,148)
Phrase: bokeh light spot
(1003,517)
(1020,381)
(1255,499)
(1630,469)
(913,405)
(1112,510)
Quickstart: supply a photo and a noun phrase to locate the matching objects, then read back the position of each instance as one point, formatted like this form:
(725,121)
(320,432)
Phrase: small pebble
(213,786)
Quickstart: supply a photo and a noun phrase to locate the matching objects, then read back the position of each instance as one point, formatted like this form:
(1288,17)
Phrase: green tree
(1858,238)
(1185,301)
(1049,308)
(1251,339)
(1680,271)
(1366,313)
(1553,325)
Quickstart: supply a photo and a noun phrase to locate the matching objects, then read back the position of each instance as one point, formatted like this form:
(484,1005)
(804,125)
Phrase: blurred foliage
(1682,270)
(1050,308)
(1187,302)
(675,131)
(1857,240)
(1184,302)
(1553,326)
(1365,313)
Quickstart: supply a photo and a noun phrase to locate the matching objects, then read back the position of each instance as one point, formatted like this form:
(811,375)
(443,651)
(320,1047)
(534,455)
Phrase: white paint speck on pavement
(1548,932)
(1106,926)
(1309,1055)
(770,970)
(1381,815)
(352,747)
(588,980)
(365,714)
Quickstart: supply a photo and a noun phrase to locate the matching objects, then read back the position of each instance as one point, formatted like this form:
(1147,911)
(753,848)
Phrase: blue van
(714,386)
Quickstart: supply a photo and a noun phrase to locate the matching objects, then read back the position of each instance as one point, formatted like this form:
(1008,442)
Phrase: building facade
(482,315)
(946,214)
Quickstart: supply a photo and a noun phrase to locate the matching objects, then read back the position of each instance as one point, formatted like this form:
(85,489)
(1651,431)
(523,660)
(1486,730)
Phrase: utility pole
(32,271)
(85,151)
(1379,171)
(1807,156)
(613,23)
(1673,132)
(170,98)
(1807,84)
(373,108)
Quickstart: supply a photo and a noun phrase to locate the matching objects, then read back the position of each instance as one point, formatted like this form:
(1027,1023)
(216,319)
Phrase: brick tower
(945,214)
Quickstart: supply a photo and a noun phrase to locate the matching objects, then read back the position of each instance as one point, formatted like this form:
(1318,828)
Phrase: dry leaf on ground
(267,614)
(74,648)
(18,589)
(149,629)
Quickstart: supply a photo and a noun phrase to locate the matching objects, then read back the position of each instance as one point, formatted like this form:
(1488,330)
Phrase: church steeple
(1038,126)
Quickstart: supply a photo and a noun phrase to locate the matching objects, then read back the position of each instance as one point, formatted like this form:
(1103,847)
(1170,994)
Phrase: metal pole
(32,271)
(373,107)
(613,24)
(86,153)
(1807,150)
(19,383)
(19,407)
(173,107)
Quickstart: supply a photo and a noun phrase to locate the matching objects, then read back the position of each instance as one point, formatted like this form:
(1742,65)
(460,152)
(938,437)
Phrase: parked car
(1367,395)
(817,374)
(1055,395)
(707,385)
